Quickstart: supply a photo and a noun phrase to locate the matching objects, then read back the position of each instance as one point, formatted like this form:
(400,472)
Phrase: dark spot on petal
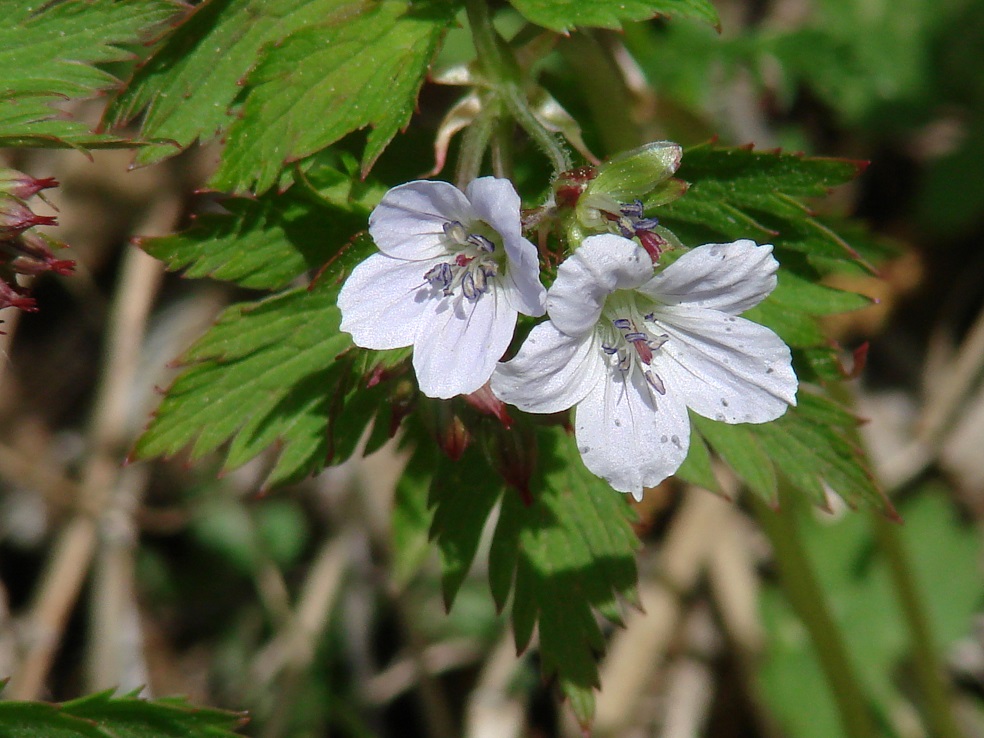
(663,439)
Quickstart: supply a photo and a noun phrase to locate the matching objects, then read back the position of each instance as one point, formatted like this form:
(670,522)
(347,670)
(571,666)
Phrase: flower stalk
(929,673)
(502,72)
(808,599)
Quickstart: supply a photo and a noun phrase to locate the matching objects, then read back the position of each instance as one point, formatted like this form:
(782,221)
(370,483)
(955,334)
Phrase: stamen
(439,275)
(480,242)
(654,381)
(633,209)
(468,287)
(455,232)
(622,324)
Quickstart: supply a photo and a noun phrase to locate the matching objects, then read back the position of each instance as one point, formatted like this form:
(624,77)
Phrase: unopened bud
(23,186)
(31,253)
(16,217)
(11,297)
(633,174)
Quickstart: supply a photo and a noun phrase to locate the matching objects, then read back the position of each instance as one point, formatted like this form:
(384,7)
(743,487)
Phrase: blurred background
(294,605)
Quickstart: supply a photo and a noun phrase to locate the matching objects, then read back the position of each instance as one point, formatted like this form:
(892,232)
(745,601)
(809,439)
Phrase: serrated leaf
(462,500)
(567,555)
(696,468)
(266,242)
(812,446)
(411,519)
(323,82)
(102,715)
(573,554)
(186,89)
(50,55)
(274,373)
(737,445)
(564,15)
(741,193)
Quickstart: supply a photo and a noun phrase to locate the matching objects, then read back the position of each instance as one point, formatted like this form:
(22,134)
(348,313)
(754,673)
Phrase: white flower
(633,351)
(453,273)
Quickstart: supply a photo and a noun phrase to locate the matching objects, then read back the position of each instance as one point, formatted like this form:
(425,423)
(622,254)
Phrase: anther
(439,275)
(480,242)
(654,381)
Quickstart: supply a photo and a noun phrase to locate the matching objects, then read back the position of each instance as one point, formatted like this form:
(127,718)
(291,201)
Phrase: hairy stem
(809,601)
(936,705)
(502,72)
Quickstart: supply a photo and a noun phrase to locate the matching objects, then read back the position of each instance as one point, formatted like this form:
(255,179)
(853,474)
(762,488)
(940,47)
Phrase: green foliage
(323,82)
(740,193)
(49,54)
(857,583)
(266,242)
(275,373)
(565,555)
(564,15)
(186,89)
(102,715)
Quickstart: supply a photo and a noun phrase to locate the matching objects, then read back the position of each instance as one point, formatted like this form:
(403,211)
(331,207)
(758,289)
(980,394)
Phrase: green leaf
(737,445)
(266,242)
(813,446)
(855,578)
(49,55)
(274,373)
(411,519)
(564,15)
(572,551)
(462,500)
(186,89)
(364,68)
(741,193)
(566,555)
(102,715)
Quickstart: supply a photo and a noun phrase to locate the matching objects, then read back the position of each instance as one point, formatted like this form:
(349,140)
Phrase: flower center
(629,342)
(474,264)
(628,220)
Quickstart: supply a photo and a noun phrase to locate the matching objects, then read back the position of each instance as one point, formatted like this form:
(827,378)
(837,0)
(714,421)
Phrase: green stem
(604,90)
(474,142)
(502,72)
(808,600)
(937,705)
(502,154)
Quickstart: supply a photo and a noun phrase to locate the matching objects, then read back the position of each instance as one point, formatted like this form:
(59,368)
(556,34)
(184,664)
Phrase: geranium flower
(453,273)
(632,351)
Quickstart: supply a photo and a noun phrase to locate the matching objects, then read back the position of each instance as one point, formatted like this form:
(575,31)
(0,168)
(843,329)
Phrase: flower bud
(10,296)
(31,253)
(23,186)
(16,217)
(634,174)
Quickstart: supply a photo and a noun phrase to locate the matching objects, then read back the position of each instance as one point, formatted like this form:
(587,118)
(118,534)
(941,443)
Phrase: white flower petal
(496,202)
(383,300)
(730,277)
(629,439)
(409,221)
(601,265)
(551,372)
(456,350)
(724,367)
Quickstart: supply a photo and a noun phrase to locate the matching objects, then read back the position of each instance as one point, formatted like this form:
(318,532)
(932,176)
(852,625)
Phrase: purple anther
(635,336)
(622,324)
(480,242)
(646,224)
(439,275)
(468,288)
(610,350)
(633,209)
(654,381)
(455,231)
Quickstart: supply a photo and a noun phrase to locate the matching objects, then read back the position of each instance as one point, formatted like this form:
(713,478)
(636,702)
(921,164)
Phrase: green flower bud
(634,174)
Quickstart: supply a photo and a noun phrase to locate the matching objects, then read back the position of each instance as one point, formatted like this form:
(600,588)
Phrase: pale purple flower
(632,352)
(453,272)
